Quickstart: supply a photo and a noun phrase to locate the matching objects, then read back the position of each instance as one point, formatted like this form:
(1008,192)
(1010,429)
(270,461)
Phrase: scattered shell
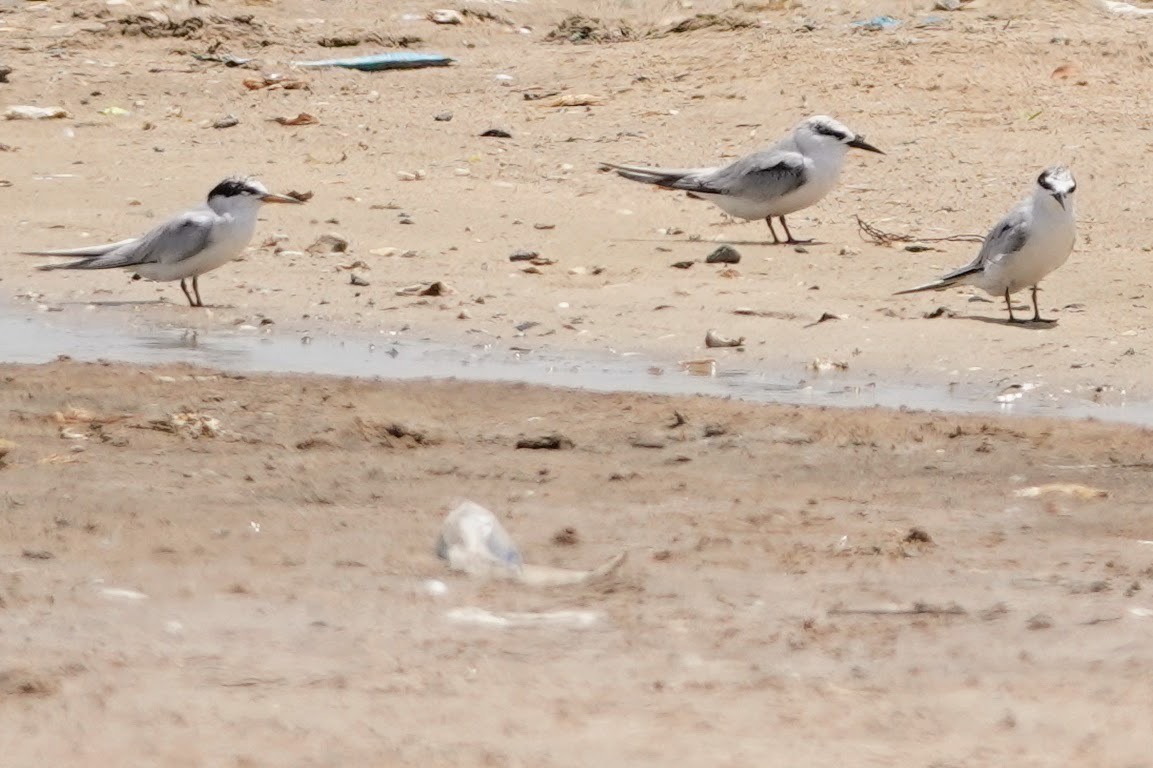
(1013,392)
(115,593)
(572,100)
(35,113)
(420,289)
(71,415)
(1068,489)
(703,367)
(275,82)
(192,424)
(329,243)
(822,364)
(714,339)
(556,619)
(445,16)
(301,119)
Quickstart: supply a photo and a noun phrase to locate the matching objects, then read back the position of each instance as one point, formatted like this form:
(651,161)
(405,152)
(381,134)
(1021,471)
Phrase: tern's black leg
(773,232)
(1037,310)
(196,290)
(187,295)
(1009,306)
(789,235)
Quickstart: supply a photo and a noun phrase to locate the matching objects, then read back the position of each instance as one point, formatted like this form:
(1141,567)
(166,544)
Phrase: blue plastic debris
(382,61)
(877,23)
(933,21)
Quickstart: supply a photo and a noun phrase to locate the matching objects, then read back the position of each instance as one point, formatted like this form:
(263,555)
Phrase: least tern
(792,174)
(187,245)
(1033,239)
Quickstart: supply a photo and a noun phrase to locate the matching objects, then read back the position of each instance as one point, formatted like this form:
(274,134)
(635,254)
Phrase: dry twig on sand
(872,234)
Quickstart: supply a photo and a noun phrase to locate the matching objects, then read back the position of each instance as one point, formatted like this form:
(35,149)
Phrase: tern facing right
(187,245)
(787,177)
(1033,239)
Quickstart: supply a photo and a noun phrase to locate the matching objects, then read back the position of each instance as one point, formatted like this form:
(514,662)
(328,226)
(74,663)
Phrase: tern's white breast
(1052,233)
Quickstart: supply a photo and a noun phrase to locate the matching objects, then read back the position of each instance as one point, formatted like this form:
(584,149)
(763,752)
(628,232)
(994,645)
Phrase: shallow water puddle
(34,338)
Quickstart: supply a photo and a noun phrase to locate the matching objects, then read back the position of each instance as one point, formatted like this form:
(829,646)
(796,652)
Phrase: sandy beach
(212,568)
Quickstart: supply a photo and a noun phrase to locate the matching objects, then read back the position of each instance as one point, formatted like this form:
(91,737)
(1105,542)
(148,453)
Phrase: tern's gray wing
(173,241)
(764,175)
(1009,236)
(87,251)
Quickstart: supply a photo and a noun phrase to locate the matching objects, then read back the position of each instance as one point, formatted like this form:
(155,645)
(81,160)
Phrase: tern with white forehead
(1033,239)
(186,246)
(789,176)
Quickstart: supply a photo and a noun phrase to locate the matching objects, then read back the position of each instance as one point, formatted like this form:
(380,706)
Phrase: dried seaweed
(872,234)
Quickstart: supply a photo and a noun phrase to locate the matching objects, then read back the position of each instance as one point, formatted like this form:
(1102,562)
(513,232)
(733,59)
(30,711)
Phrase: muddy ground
(827,587)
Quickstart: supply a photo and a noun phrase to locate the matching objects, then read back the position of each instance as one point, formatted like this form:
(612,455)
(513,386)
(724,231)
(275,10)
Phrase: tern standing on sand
(187,245)
(1033,239)
(789,176)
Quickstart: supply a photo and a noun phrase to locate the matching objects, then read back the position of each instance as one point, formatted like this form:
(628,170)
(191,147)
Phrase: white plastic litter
(21,112)
(555,619)
(115,593)
(473,541)
(1125,9)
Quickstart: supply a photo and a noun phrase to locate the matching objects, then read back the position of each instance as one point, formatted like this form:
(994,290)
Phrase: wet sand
(839,587)
(948,104)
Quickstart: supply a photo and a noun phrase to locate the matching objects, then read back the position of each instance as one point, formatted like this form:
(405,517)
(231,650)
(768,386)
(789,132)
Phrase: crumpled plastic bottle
(472,540)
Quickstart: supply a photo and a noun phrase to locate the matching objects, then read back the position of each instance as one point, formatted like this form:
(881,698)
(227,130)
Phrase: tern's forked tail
(86,252)
(663,177)
(948,281)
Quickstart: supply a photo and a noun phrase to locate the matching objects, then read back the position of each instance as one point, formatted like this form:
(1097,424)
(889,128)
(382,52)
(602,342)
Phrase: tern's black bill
(271,198)
(860,143)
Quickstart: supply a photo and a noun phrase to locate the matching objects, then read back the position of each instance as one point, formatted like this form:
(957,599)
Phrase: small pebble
(726,254)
